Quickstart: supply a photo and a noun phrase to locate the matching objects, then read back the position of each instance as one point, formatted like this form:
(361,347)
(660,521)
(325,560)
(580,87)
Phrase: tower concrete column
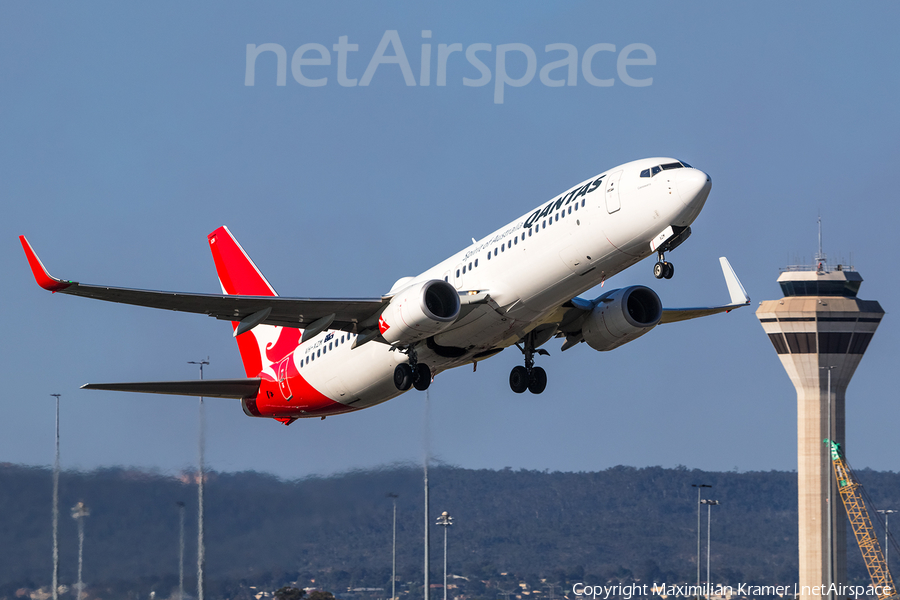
(820,328)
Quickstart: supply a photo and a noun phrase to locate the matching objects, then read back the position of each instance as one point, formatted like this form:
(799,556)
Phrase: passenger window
(495,252)
(447,278)
(502,248)
(470,266)
(457,272)
(557,216)
(570,209)
(489,255)
(645,173)
(523,237)
(537,227)
(529,233)
(582,203)
(516,241)
(464,269)
(576,206)
(476,262)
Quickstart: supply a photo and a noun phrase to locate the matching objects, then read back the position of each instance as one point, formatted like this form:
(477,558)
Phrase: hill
(621,524)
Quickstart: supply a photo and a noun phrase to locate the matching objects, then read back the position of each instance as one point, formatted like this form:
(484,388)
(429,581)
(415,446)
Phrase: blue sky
(127,134)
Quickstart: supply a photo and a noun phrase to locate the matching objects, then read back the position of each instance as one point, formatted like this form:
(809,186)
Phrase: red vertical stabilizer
(264,344)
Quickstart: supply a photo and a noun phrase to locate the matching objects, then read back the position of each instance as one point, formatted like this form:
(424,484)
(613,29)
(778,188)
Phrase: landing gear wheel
(403,377)
(670,270)
(518,379)
(422,377)
(537,380)
(659,270)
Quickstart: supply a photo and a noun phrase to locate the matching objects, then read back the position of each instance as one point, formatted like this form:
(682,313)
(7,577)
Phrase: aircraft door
(283,383)
(612,192)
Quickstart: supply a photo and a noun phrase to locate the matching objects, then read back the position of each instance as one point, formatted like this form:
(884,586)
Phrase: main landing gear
(663,269)
(412,374)
(529,377)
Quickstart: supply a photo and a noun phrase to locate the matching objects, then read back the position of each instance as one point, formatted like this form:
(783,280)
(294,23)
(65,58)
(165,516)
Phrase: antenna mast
(821,259)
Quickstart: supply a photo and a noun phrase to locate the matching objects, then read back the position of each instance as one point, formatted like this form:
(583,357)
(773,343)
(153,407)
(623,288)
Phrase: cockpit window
(666,167)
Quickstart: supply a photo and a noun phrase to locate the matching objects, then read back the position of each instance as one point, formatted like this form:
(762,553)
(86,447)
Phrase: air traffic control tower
(820,330)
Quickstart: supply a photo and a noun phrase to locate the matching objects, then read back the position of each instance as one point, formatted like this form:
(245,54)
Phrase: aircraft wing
(346,314)
(210,388)
(577,309)
(738,295)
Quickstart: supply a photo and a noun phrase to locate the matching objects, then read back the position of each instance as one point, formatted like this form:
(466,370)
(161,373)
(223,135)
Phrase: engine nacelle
(622,316)
(419,311)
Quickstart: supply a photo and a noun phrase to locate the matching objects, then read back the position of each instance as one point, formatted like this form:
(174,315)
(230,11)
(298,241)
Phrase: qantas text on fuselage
(519,286)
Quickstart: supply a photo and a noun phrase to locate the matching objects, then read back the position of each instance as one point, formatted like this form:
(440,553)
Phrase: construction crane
(872,554)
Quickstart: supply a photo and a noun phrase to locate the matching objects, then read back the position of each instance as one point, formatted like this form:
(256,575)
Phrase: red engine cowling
(622,316)
(419,311)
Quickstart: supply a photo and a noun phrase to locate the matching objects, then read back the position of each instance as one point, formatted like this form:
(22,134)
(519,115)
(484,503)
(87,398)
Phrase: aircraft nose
(693,186)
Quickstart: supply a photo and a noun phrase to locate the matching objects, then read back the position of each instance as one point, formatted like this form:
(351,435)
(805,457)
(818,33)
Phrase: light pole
(79,512)
(887,535)
(830,436)
(445,521)
(201,550)
(55,589)
(427,586)
(394,497)
(699,487)
(709,504)
(180,550)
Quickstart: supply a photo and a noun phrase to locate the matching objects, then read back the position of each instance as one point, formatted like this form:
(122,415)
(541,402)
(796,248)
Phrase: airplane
(519,285)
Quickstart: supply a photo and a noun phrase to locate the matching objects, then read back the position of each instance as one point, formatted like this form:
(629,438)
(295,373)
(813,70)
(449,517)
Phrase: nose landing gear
(670,238)
(663,269)
(529,377)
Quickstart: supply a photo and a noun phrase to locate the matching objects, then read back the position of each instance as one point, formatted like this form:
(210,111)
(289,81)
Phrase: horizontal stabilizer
(210,388)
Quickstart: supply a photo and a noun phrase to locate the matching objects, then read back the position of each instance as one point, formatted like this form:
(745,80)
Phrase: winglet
(43,278)
(735,289)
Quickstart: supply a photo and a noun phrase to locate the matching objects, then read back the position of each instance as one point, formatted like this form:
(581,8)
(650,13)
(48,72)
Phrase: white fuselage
(529,268)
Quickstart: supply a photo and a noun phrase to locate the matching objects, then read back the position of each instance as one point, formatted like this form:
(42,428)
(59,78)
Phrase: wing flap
(673,315)
(209,388)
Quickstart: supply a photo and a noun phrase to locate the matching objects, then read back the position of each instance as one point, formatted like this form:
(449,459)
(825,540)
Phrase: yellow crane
(872,554)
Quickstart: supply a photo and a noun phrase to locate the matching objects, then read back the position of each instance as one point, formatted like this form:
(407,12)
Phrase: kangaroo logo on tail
(265,345)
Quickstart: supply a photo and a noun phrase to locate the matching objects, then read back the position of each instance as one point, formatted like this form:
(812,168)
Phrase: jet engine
(419,311)
(621,316)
